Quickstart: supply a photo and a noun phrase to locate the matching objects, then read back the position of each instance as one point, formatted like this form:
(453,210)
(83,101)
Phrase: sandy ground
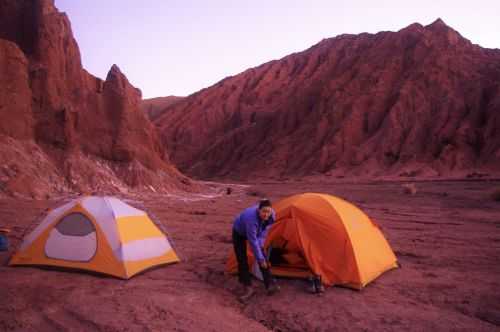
(446,236)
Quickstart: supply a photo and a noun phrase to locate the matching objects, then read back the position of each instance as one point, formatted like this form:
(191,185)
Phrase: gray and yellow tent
(100,234)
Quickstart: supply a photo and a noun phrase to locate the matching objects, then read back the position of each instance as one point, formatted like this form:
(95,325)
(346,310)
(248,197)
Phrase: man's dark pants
(240,249)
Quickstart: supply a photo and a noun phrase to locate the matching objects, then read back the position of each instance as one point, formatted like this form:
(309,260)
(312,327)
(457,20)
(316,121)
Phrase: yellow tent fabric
(324,235)
(100,234)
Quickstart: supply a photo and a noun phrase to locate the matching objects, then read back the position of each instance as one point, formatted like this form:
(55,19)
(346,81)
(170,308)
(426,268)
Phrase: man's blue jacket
(249,225)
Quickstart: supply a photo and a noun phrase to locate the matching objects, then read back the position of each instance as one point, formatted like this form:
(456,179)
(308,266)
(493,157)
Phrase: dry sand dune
(446,236)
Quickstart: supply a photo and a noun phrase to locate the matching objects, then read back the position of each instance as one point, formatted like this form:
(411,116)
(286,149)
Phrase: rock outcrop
(420,101)
(62,129)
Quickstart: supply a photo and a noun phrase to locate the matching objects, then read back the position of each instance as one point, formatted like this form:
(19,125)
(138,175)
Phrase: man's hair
(264,203)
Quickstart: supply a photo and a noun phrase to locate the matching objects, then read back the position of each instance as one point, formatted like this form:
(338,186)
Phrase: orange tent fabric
(334,238)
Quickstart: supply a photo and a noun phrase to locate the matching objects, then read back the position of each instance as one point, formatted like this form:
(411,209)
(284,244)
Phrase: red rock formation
(62,128)
(419,101)
(154,106)
(15,96)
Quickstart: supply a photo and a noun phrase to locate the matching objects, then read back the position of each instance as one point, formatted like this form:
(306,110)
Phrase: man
(252,225)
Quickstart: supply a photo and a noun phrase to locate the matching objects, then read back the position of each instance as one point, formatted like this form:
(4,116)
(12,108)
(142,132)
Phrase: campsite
(445,237)
(161,161)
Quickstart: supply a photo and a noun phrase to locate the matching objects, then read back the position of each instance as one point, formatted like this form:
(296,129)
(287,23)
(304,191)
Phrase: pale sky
(177,47)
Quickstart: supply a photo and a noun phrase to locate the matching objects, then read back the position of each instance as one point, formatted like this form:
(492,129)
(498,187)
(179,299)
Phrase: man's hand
(264,264)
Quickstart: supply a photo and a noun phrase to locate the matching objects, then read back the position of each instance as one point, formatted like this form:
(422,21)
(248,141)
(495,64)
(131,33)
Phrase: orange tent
(324,235)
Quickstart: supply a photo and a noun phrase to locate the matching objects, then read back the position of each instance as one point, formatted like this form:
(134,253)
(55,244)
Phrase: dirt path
(447,238)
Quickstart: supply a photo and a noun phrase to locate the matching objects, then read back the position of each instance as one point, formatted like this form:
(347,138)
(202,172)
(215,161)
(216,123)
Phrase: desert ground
(446,237)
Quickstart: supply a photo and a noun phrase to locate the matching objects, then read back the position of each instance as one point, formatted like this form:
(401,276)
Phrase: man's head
(265,209)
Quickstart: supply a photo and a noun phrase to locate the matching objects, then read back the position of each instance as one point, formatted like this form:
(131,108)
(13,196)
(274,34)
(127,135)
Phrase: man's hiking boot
(273,288)
(249,292)
(319,285)
(316,286)
(312,285)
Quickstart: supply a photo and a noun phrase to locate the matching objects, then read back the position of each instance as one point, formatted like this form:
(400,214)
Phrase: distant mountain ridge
(420,101)
(154,106)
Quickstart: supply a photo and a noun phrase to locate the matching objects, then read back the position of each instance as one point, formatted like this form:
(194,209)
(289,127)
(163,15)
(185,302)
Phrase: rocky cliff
(62,129)
(420,101)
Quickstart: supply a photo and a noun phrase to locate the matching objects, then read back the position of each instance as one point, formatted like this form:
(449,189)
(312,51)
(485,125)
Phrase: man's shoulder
(250,212)
(250,209)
